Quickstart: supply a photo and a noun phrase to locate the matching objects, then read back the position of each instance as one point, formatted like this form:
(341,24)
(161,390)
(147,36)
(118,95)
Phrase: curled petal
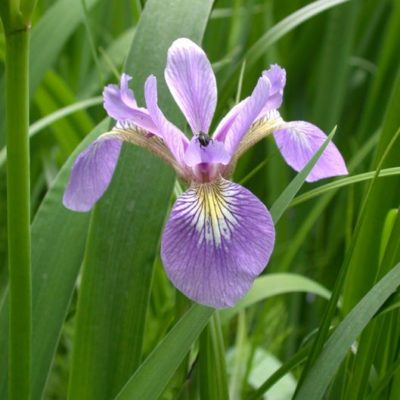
(226,122)
(298,141)
(218,239)
(246,115)
(191,80)
(127,94)
(120,105)
(277,78)
(174,139)
(91,174)
(214,153)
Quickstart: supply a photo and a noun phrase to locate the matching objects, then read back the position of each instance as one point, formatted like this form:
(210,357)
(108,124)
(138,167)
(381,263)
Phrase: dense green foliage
(323,319)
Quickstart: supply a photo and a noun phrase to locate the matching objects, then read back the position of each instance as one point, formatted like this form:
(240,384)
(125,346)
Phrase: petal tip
(298,141)
(91,174)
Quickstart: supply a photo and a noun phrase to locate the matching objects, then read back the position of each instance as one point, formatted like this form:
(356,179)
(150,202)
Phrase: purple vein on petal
(217,240)
(191,80)
(120,104)
(174,139)
(226,122)
(277,78)
(91,174)
(247,114)
(298,141)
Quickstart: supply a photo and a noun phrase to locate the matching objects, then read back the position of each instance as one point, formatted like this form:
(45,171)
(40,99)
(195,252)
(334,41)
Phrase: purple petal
(218,239)
(214,153)
(91,174)
(120,104)
(174,139)
(277,78)
(226,122)
(298,141)
(191,80)
(127,95)
(247,114)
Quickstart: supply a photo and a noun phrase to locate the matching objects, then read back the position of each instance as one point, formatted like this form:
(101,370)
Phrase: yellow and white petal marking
(211,206)
(217,239)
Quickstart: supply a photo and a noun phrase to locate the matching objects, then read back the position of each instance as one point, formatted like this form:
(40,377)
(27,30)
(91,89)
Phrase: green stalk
(18,203)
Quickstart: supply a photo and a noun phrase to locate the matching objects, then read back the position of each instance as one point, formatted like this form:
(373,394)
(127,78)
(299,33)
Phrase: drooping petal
(218,239)
(247,114)
(298,141)
(120,105)
(277,78)
(91,174)
(174,139)
(214,153)
(191,80)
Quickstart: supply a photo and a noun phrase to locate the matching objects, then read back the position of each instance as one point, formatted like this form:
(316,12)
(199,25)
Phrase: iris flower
(219,236)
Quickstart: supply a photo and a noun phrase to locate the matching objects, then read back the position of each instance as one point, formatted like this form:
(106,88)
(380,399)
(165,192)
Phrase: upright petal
(214,153)
(277,78)
(91,174)
(218,239)
(298,141)
(120,105)
(247,114)
(191,80)
(127,95)
(226,122)
(174,139)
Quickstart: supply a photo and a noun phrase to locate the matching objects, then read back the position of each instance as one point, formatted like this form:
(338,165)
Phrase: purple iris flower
(219,236)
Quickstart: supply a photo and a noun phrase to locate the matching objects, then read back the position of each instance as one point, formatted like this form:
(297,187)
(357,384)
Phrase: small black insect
(204,139)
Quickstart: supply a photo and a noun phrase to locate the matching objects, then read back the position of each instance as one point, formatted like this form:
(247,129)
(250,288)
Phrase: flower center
(204,139)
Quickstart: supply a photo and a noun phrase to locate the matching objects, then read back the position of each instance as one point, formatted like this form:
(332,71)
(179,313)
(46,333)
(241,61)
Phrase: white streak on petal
(218,238)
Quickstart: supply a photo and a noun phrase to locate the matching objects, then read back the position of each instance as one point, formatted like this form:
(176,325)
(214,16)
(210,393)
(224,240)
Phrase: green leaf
(212,367)
(274,285)
(126,224)
(293,362)
(286,25)
(383,197)
(334,66)
(55,265)
(342,182)
(161,364)
(374,344)
(53,29)
(44,122)
(322,372)
(256,51)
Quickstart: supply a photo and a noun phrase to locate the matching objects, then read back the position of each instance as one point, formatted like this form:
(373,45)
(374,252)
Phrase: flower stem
(18,206)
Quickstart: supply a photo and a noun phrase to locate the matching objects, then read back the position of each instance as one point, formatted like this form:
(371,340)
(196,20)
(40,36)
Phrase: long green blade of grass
(383,197)
(342,182)
(326,365)
(18,209)
(55,264)
(125,226)
(161,364)
(44,122)
(53,29)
